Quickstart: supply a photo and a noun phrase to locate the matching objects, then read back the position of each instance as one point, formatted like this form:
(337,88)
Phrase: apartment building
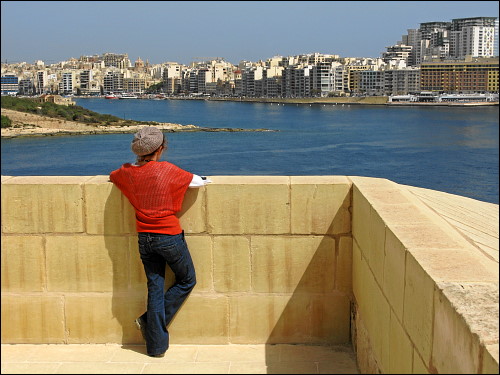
(120,61)
(457,39)
(172,77)
(136,85)
(474,75)
(86,76)
(252,81)
(397,52)
(113,82)
(402,81)
(9,84)
(42,81)
(67,83)
(27,87)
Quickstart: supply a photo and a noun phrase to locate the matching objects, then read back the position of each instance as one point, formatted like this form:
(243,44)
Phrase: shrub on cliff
(6,122)
(70,113)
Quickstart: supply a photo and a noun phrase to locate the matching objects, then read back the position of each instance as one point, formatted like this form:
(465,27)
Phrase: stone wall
(272,254)
(426,300)
(277,262)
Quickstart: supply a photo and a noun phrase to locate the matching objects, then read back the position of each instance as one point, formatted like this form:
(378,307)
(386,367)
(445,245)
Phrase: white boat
(127,95)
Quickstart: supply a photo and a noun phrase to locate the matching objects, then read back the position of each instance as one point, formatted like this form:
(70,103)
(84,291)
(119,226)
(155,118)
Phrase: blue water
(448,149)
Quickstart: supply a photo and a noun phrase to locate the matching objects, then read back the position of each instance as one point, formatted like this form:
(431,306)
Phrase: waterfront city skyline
(189,30)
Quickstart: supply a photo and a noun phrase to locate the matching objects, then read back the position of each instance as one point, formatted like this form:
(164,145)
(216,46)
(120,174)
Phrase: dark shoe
(142,326)
(157,355)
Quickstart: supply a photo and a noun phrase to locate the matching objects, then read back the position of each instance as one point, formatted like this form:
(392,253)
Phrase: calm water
(448,149)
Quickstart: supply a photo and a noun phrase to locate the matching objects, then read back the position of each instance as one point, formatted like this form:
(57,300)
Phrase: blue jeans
(158,250)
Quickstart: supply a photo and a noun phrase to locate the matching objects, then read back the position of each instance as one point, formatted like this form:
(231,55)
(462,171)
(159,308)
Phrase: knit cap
(147,140)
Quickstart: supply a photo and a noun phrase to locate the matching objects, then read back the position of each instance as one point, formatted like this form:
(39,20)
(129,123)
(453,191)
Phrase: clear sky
(181,31)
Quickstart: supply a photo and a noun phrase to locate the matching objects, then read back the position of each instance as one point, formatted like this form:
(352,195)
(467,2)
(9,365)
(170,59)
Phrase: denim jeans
(158,250)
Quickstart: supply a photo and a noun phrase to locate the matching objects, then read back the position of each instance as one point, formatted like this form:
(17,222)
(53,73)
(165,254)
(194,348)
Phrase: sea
(449,149)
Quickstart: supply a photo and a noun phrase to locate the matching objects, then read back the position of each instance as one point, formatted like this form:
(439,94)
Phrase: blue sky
(180,31)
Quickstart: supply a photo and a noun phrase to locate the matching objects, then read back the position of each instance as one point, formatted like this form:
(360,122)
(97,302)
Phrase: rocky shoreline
(31,125)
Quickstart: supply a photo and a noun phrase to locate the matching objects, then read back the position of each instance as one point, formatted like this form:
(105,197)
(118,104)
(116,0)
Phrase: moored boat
(110,96)
(127,95)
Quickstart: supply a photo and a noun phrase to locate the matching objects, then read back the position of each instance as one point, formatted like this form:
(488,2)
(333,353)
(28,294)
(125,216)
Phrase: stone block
(394,273)
(375,253)
(87,263)
(359,266)
(365,358)
(418,309)
(400,214)
(23,264)
(400,349)
(329,319)
(104,203)
(361,216)
(231,264)
(456,265)
(32,319)
(376,315)
(293,264)
(103,318)
(424,235)
(372,308)
(192,216)
(320,208)
(343,265)
(43,204)
(455,348)
(386,196)
(372,183)
(270,319)
(250,206)
(201,320)
(138,279)
(129,225)
(490,359)
(200,248)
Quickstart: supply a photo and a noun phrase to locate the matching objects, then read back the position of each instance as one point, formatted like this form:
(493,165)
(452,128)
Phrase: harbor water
(450,149)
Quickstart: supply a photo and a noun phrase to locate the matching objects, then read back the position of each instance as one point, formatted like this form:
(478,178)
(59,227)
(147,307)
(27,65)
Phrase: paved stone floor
(179,359)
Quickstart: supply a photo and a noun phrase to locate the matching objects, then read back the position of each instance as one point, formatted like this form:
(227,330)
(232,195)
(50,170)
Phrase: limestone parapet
(280,259)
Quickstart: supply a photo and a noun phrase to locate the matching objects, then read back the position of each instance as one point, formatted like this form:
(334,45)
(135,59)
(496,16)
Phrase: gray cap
(147,140)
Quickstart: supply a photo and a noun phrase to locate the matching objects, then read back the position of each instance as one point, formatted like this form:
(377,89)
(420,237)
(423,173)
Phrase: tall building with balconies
(469,76)
(86,76)
(476,37)
(41,82)
(113,81)
(67,83)
(10,84)
(120,61)
(397,52)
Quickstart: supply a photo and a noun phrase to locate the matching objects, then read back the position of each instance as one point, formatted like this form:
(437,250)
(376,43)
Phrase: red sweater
(156,191)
